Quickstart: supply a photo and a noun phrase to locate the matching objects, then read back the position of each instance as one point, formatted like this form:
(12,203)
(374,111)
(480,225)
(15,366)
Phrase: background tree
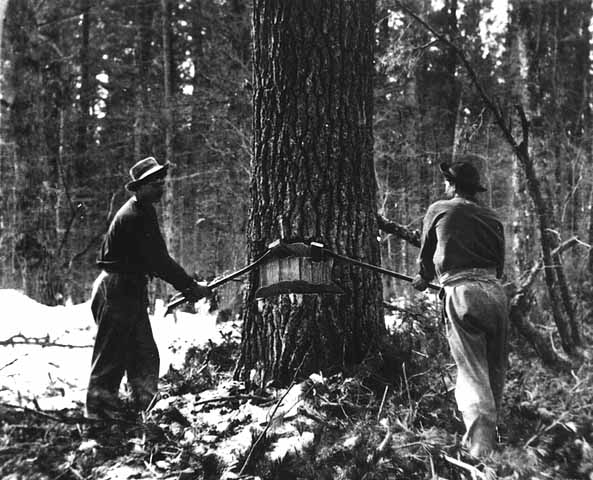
(92,102)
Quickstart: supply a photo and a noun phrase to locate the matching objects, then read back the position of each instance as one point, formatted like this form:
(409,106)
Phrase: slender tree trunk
(142,57)
(3,5)
(81,160)
(521,222)
(199,158)
(169,230)
(313,179)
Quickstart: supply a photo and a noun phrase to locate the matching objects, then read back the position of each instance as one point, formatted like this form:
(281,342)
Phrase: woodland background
(90,86)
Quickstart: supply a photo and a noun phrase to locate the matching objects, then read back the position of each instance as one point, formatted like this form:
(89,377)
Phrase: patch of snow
(56,376)
(351,442)
(291,444)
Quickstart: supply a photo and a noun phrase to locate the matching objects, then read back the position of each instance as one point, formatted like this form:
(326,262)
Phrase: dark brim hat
(145,171)
(463,174)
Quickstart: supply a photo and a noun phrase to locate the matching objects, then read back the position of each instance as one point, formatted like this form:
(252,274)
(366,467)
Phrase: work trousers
(124,344)
(476,307)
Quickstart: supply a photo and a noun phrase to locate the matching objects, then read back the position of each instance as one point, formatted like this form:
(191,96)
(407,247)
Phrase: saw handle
(179,299)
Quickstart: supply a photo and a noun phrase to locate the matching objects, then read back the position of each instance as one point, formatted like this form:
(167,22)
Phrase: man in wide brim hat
(463,174)
(463,245)
(132,252)
(144,171)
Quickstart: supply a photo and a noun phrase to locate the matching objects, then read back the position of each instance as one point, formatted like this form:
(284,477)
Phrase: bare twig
(412,414)
(265,430)
(382,402)
(61,419)
(269,424)
(466,466)
(538,267)
(9,364)
(556,422)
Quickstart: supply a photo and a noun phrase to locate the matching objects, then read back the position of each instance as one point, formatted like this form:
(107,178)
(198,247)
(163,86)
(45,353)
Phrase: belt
(119,268)
(476,274)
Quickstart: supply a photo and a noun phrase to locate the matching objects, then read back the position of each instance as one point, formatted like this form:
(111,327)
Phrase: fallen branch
(36,412)
(12,449)
(20,339)
(62,419)
(231,398)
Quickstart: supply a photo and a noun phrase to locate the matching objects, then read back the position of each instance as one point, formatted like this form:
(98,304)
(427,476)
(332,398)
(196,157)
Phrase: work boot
(481,437)
(109,408)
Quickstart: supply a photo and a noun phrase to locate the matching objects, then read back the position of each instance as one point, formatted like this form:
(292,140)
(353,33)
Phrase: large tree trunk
(313,179)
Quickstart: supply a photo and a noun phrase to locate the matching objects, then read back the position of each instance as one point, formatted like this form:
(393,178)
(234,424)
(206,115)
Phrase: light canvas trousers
(476,307)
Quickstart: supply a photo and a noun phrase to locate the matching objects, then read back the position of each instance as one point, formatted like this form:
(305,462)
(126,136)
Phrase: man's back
(122,247)
(461,234)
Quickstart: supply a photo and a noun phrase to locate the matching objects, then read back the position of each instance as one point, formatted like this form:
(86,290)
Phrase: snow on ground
(56,376)
(215,432)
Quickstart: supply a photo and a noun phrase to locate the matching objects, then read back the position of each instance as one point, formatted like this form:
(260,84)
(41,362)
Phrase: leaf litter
(393,417)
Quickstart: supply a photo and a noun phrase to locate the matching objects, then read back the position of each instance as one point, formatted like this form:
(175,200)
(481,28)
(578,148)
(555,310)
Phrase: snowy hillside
(56,376)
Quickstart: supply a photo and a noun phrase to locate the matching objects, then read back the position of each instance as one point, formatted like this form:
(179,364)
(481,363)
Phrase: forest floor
(358,425)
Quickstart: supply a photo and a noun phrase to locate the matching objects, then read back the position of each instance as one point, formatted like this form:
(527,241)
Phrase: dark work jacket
(460,234)
(134,244)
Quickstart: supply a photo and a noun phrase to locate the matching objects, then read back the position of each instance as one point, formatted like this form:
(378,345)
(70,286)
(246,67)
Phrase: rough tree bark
(313,179)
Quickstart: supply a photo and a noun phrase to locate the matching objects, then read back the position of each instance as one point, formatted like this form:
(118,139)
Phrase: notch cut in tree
(313,180)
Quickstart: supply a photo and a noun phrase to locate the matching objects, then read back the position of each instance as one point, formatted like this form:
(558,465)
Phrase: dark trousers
(124,344)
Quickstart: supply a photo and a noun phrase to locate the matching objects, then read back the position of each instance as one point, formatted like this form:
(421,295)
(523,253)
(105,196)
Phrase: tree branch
(20,339)
(400,231)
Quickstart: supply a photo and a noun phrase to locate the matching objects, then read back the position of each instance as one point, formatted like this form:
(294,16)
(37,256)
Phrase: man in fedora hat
(133,251)
(463,246)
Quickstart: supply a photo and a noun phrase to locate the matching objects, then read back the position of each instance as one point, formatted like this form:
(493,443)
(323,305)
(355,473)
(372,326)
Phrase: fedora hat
(144,171)
(463,174)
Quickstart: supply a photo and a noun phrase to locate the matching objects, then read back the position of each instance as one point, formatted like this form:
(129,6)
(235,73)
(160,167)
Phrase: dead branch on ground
(20,339)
